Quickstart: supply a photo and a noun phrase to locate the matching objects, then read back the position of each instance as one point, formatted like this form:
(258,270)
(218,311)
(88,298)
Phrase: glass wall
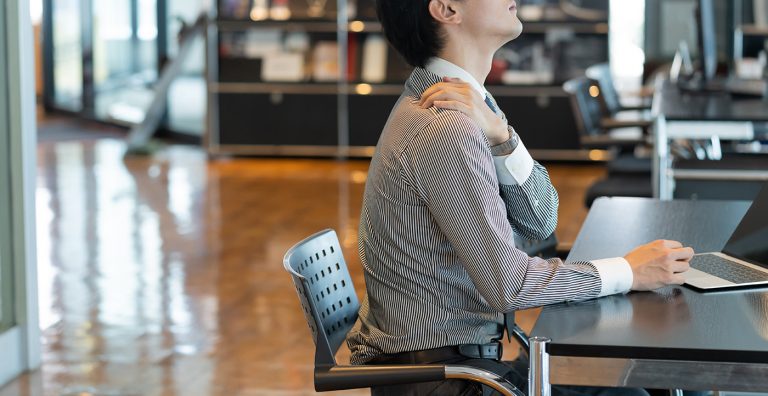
(187,95)
(106,65)
(626,44)
(124,58)
(68,55)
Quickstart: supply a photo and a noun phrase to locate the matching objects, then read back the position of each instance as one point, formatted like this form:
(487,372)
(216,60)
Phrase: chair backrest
(601,73)
(325,291)
(585,104)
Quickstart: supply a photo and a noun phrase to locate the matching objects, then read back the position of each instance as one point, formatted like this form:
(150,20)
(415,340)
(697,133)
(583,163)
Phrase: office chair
(330,306)
(585,95)
(628,176)
(615,114)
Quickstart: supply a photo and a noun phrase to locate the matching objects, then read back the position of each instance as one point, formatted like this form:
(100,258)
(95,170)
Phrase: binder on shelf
(325,61)
(238,9)
(374,68)
(316,8)
(280,10)
(283,67)
(352,55)
(261,42)
(351,9)
(259,10)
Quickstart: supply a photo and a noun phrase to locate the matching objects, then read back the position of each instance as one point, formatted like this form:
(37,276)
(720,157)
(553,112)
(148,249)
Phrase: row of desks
(675,337)
(704,115)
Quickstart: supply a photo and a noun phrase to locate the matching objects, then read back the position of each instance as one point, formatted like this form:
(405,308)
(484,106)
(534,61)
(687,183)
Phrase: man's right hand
(658,264)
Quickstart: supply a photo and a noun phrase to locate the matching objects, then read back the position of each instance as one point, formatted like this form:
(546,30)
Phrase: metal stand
(138,138)
(538,372)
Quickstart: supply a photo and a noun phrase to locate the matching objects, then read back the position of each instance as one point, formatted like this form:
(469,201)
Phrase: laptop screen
(750,240)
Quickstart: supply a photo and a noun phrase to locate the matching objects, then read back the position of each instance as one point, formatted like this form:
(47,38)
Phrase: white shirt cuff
(515,168)
(615,275)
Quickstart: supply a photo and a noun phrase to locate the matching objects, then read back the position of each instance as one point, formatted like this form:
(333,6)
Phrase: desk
(700,115)
(672,338)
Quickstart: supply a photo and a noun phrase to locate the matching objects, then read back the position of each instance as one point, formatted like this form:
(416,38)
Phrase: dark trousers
(515,372)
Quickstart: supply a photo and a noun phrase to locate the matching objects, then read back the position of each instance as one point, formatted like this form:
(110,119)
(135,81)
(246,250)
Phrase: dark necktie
(490,104)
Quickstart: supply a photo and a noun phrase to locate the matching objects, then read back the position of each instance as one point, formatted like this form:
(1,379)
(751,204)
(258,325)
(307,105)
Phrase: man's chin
(516,31)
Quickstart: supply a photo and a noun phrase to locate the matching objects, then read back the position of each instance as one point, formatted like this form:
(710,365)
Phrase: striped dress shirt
(436,236)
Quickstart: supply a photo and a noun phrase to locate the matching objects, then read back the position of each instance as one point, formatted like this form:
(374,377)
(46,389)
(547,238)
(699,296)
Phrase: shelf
(753,30)
(344,118)
(324,88)
(526,90)
(307,88)
(358,26)
(312,26)
(364,26)
(576,27)
(368,151)
(332,88)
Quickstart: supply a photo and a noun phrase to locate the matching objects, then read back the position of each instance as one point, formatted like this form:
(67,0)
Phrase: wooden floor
(162,275)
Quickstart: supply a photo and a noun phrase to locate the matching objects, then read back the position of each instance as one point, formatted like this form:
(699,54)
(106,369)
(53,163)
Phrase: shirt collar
(443,68)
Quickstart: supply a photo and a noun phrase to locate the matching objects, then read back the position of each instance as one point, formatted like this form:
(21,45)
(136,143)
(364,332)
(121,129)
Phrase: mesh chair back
(584,95)
(601,73)
(325,291)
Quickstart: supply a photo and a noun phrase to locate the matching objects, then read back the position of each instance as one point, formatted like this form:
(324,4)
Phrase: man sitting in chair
(449,185)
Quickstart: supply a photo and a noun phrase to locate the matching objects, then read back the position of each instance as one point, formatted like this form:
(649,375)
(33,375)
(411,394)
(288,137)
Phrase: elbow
(544,220)
(540,230)
(503,298)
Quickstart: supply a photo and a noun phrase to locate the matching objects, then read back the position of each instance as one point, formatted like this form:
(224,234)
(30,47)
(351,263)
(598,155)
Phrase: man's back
(436,236)
(410,266)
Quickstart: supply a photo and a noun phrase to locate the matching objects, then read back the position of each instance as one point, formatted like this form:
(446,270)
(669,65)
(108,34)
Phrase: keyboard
(726,269)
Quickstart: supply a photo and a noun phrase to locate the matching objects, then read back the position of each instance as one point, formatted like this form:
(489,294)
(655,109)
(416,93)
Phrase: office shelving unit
(344,116)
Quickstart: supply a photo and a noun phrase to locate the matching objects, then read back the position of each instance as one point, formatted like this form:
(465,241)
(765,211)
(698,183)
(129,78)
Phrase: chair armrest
(355,377)
(613,123)
(636,107)
(603,141)
(519,335)
(484,377)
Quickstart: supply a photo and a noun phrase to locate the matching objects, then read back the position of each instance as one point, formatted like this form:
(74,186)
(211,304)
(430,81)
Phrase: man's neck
(475,60)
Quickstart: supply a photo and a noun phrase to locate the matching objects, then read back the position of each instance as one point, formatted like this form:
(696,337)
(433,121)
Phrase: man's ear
(445,11)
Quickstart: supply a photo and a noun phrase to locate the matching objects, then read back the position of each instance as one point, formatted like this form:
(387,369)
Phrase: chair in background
(614,112)
(628,175)
(330,306)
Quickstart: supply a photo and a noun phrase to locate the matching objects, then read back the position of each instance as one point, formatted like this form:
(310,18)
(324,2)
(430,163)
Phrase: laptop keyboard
(728,270)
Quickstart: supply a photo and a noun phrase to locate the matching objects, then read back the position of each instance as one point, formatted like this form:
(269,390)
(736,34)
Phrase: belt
(493,351)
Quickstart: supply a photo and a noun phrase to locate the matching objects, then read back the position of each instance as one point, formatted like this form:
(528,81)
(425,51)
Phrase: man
(449,185)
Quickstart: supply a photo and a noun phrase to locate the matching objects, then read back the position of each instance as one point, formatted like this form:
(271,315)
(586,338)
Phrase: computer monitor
(707,41)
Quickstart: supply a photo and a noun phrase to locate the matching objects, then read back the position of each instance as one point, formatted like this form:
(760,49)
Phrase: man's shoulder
(440,126)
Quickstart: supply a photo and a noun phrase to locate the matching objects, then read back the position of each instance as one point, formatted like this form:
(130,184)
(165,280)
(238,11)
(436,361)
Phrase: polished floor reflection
(162,275)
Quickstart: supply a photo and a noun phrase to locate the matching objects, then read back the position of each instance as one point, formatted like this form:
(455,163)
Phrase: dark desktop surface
(710,105)
(671,323)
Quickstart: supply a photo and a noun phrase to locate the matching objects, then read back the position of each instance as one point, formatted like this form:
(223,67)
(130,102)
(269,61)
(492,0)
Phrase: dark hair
(410,29)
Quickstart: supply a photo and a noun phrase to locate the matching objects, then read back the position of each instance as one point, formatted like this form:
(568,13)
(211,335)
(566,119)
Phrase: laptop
(744,259)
